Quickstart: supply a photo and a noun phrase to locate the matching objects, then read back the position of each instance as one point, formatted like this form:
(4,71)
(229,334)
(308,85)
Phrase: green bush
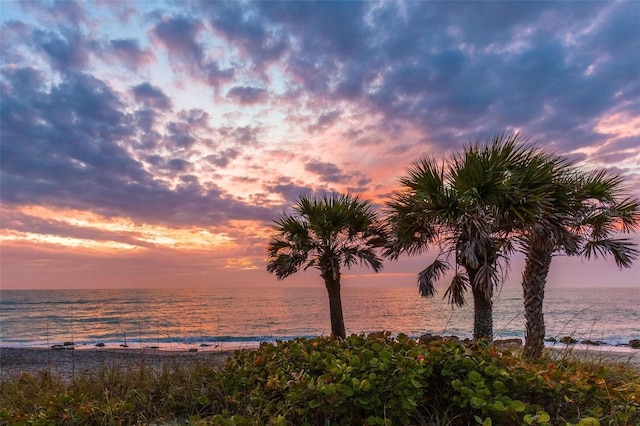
(361,380)
(373,379)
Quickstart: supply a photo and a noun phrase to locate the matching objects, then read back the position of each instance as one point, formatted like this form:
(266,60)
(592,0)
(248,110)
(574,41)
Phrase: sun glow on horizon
(104,233)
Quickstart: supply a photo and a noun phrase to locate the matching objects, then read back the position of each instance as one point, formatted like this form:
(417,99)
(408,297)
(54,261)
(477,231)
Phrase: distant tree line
(477,207)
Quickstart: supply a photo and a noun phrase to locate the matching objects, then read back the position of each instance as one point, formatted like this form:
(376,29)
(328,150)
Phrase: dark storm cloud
(151,96)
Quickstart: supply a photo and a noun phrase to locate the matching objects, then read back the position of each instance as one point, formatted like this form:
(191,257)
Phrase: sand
(605,354)
(68,363)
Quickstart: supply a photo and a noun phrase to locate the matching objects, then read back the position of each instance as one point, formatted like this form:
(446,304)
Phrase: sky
(151,144)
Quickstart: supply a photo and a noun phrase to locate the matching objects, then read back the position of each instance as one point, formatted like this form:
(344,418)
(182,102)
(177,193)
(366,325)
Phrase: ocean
(231,318)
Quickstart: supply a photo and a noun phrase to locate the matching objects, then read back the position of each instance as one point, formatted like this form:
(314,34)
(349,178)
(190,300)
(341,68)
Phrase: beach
(616,355)
(68,363)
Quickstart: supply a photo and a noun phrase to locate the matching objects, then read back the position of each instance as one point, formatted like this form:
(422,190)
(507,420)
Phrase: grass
(360,380)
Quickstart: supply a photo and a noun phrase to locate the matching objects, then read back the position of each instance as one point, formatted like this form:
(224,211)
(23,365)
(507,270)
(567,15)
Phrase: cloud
(328,172)
(65,148)
(324,121)
(289,190)
(151,96)
(178,35)
(66,50)
(201,113)
(214,75)
(129,53)
(245,95)
(240,25)
(70,12)
(223,159)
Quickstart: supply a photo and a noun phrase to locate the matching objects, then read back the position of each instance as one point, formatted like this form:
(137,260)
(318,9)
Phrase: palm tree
(469,207)
(327,232)
(584,213)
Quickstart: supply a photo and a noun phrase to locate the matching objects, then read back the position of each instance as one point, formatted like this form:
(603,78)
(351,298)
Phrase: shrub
(361,380)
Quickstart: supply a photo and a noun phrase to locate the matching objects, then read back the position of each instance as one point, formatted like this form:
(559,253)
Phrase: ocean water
(178,319)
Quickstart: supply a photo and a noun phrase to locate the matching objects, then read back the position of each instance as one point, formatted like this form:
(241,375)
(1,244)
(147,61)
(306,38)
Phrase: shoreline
(68,363)
(604,354)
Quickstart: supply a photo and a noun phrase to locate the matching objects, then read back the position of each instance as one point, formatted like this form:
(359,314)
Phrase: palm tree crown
(327,232)
(584,212)
(469,207)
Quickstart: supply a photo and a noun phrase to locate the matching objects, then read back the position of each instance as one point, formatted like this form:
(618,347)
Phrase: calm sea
(244,317)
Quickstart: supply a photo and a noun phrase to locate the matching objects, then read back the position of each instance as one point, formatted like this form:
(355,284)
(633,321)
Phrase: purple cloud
(151,96)
(129,53)
(178,35)
(328,172)
(245,95)
(66,50)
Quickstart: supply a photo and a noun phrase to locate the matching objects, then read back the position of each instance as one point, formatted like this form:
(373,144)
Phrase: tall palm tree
(585,212)
(468,207)
(327,232)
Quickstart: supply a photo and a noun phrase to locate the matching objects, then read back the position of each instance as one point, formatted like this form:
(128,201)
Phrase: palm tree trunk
(332,282)
(482,310)
(483,316)
(534,278)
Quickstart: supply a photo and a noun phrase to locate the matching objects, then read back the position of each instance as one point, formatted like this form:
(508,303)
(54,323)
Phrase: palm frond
(326,231)
(623,250)
(486,279)
(429,275)
(456,291)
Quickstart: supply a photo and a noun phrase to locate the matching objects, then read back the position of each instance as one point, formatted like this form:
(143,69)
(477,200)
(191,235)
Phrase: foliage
(327,233)
(471,206)
(583,214)
(374,380)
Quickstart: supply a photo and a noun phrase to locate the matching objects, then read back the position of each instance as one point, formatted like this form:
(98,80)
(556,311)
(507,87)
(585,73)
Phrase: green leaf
(589,421)
(476,402)
(492,370)
(542,416)
(485,422)
(474,376)
(517,406)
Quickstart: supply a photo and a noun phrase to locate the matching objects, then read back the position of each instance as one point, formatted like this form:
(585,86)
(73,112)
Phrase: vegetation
(480,204)
(471,207)
(327,232)
(582,215)
(474,207)
(361,380)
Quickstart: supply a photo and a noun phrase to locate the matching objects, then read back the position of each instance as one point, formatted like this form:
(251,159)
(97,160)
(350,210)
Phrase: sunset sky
(150,144)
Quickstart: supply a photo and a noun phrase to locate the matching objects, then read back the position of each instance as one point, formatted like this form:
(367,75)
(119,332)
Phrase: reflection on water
(161,317)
